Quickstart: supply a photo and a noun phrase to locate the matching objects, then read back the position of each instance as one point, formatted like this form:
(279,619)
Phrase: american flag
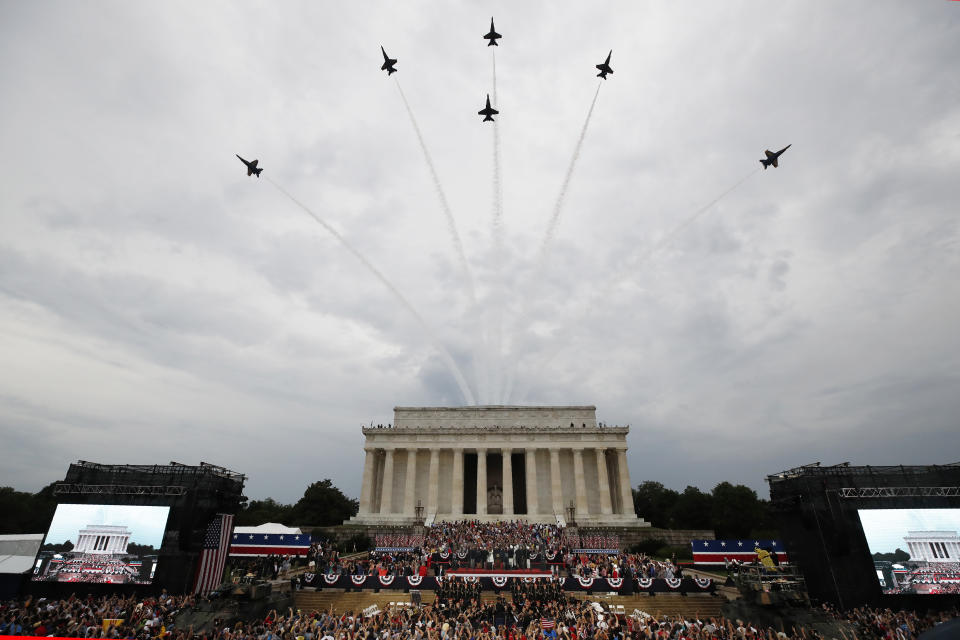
(546,624)
(214,555)
(717,551)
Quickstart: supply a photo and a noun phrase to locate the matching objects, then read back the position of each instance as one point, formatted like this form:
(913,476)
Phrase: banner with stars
(269,544)
(717,552)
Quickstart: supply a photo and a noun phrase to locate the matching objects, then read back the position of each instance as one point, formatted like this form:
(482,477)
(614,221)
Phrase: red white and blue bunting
(501,580)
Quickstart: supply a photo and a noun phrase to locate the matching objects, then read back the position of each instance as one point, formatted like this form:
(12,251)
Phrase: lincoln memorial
(540,464)
(102,539)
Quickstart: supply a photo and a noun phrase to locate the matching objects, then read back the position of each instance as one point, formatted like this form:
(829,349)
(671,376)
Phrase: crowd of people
(113,616)
(497,546)
(535,611)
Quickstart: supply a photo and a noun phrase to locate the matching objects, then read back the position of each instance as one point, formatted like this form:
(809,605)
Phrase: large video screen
(101,543)
(915,551)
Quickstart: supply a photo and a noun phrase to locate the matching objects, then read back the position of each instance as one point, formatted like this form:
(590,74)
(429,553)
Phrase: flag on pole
(216,544)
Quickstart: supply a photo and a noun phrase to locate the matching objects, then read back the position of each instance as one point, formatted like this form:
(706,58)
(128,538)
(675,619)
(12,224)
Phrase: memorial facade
(102,539)
(540,464)
(933,546)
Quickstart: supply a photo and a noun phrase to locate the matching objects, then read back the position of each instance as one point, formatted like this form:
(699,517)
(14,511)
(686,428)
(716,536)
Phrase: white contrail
(545,245)
(448,215)
(431,334)
(635,265)
(497,232)
(680,228)
(558,206)
(451,222)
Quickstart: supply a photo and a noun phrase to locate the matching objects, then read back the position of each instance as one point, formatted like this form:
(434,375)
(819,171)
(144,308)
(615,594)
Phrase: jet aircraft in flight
(488,112)
(771,158)
(388,62)
(251,167)
(605,67)
(492,36)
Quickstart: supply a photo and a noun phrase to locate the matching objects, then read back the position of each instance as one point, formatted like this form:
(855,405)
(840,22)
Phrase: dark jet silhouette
(251,167)
(492,36)
(488,112)
(605,67)
(771,158)
(388,62)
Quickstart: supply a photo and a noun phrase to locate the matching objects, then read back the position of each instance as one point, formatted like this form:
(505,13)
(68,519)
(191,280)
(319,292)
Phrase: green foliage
(897,556)
(731,511)
(58,548)
(135,549)
(25,512)
(736,510)
(653,502)
(324,505)
(260,511)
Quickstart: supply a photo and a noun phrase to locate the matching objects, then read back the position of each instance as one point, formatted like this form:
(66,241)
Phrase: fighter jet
(488,112)
(605,67)
(388,63)
(492,36)
(771,158)
(251,167)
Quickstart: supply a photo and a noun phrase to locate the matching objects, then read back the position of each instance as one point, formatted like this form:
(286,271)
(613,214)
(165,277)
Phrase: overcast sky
(157,304)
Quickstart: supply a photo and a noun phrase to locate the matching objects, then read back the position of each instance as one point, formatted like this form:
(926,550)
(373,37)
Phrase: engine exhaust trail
(680,228)
(431,334)
(635,265)
(497,231)
(550,234)
(562,196)
(451,225)
(444,205)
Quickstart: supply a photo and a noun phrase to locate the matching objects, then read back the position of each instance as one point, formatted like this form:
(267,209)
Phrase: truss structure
(65,488)
(898,492)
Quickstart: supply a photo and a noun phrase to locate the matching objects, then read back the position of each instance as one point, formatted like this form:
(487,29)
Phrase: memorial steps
(700,605)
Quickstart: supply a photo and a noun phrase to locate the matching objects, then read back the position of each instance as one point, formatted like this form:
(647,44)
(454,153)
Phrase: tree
(260,511)
(693,509)
(25,512)
(324,505)
(736,511)
(653,502)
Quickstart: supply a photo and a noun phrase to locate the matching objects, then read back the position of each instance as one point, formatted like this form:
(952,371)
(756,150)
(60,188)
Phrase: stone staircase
(701,605)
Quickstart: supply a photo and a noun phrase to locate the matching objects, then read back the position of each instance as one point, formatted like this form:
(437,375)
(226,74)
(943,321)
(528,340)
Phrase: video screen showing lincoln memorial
(98,543)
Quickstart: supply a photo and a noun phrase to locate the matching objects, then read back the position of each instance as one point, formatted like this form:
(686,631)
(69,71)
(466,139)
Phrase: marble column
(366,491)
(481,482)
(603,482)
(581,482)
(434,489)
(456,502)
(410,486)
(533,499)
(507,469)
(386,499)
(556,486)
(626,491)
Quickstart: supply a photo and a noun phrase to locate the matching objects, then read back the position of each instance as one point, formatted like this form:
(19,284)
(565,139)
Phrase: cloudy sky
(156,304)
